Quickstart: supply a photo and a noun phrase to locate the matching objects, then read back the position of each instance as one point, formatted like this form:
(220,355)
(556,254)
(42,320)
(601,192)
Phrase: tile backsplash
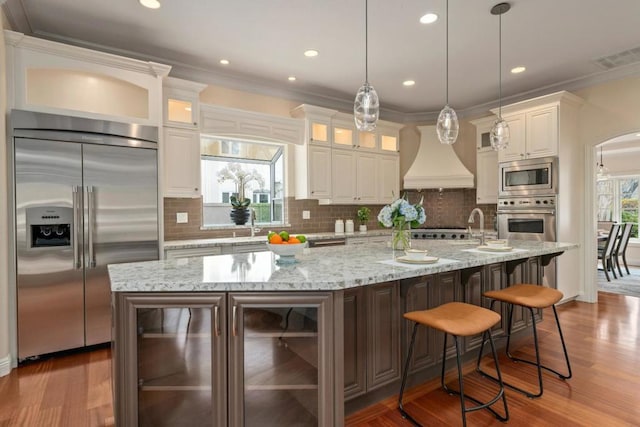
(449,208)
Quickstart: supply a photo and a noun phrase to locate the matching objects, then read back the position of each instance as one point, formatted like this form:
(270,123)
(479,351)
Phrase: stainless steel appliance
(530,218)
(529,177)
(85,195)
(440,233)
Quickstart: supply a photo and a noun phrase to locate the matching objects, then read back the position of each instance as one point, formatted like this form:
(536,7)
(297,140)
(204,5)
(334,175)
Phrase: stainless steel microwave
(529,177)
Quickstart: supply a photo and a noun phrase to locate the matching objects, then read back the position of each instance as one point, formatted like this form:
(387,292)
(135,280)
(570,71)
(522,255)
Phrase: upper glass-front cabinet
(343,134)
(181,102)
(319,131)
(367,140)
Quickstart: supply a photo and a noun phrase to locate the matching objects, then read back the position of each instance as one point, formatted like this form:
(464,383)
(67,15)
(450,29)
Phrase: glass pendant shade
(499,135)
(366,108)
(447,125)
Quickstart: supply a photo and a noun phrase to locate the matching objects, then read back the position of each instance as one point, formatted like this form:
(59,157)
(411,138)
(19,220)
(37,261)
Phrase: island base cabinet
(280,367)
(169,360)
(223,359)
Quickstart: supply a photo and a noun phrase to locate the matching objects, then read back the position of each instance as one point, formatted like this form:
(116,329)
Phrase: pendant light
(447,126)
(603,171)
(366,107)
(499,135)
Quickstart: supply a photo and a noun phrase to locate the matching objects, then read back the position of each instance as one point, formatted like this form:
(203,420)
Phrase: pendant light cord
(366,41)
(500,66)
(447,51)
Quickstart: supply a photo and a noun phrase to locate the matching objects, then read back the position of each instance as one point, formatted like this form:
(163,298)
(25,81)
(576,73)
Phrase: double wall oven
(527,204)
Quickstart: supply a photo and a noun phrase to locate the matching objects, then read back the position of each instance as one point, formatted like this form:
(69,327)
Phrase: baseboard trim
(5,365)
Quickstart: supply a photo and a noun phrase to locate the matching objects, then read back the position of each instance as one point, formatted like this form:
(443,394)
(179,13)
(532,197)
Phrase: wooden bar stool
(458,320)
(530,297)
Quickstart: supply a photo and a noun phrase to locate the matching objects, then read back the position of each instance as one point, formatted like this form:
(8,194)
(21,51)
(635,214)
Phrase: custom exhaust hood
(436,165)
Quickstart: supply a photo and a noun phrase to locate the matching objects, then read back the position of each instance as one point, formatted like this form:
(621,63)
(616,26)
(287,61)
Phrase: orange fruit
(275,239)
(285,242)
(294,240)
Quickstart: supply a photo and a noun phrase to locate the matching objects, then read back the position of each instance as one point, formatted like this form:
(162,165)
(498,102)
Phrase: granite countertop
(231,241)
(317,269)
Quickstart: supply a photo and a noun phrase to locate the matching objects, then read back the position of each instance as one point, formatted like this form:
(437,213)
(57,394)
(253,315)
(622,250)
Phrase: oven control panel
(527,202)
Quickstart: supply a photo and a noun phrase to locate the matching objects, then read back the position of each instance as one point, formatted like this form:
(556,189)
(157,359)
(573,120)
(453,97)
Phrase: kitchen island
(244,340)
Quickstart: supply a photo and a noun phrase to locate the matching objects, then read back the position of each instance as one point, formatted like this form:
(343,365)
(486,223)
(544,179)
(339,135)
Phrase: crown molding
(316,95)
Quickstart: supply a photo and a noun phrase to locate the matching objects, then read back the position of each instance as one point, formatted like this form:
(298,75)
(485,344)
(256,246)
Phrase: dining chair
(621,248)
(606,253)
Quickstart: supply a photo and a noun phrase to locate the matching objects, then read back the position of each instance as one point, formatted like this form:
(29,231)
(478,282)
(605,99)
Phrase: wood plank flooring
(604,348)
(603,340)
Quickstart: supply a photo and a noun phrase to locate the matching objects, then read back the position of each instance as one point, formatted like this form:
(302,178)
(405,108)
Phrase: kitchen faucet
(254,229)
(471,221)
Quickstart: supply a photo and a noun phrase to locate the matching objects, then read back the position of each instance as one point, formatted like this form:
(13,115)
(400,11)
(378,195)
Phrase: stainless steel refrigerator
(85,195)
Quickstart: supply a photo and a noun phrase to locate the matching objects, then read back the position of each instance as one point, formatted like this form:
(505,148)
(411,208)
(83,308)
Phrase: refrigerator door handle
(90,219)
(76,223)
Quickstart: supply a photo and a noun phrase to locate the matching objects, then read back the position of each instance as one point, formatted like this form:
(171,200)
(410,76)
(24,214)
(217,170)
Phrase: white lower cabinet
(181,151)
(218,359)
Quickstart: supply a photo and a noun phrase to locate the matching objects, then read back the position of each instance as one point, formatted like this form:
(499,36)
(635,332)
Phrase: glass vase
(400,238)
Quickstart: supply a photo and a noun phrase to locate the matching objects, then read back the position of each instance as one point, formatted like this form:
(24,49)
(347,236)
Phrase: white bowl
(497,243)
(416,254)
(286,250)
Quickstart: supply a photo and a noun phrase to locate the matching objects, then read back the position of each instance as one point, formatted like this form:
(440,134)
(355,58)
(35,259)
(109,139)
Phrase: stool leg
(460,392)
(509,327)
(537,363)
(404,414)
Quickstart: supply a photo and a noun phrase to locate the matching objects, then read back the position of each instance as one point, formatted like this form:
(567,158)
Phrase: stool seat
(456,318)
(533,296)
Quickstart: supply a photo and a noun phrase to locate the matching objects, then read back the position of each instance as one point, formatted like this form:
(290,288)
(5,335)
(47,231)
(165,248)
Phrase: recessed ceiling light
(408,83)
(151,4)
(518,70)
(310,53)
(429,18)
(224,61)
(292,78)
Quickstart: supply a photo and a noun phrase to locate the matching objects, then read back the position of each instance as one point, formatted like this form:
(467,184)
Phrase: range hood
(436,165)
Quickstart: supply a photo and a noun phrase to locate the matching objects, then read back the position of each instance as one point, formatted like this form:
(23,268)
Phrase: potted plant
(239,204)
(363,216)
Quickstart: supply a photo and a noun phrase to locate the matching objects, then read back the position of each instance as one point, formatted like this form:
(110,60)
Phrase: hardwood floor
(603,341)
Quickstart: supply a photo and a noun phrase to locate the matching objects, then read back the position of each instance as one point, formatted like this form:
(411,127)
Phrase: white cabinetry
(313,158)
(388,178)
(181,163)
(339,165)
(534,134)
(181,143)
(486,163)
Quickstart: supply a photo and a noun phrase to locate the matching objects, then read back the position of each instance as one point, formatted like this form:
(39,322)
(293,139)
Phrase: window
(618,200)
(246,169)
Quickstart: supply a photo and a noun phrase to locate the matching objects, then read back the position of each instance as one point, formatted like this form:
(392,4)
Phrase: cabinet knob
(196,189)
(521,154)
(313,192)
(528,154)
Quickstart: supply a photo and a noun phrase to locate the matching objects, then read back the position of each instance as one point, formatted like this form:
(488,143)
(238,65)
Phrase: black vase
(239,216)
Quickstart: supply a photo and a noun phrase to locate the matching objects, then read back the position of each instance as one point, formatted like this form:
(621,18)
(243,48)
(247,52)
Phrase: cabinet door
(388,178)
(542,132)
(181,111)
(355,343)
(383,337)
(389,142)
(416,296)
(343,176)
(181,163)
(366,178)
(170,360)
(516,148)
(279,360)
(534,275)
(319,172)
(487,177)
(520,314)
(473,285)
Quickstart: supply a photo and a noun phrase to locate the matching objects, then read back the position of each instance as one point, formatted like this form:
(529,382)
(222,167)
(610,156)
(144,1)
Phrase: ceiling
(557,41)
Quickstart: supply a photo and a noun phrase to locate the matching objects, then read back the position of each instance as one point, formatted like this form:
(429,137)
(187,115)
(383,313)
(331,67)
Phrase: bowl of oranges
(286,245)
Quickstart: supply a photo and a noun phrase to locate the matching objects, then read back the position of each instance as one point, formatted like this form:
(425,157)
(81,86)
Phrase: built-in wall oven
(529,177)
(530,218)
